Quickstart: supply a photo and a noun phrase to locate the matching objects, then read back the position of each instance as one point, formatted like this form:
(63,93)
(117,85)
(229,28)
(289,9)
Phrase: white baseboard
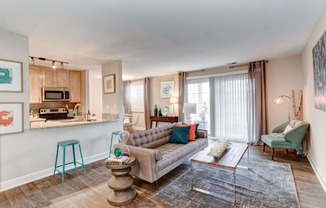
(5,185)
(318,174)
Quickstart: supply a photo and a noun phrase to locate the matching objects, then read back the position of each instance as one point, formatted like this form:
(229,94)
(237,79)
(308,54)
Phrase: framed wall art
(319,62)
(11,76)
(167,89)
(109,84)
(11,118)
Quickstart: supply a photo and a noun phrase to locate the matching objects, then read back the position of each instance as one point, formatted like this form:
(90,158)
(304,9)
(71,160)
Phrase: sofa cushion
(192,131)
(172,152)
(275,141)
(151,138)
(180,134)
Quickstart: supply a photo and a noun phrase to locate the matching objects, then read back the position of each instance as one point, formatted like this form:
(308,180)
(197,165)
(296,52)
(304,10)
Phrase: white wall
(155,89)
(95,95)
(282,75)
(316,118)
(30,155)
(112,103)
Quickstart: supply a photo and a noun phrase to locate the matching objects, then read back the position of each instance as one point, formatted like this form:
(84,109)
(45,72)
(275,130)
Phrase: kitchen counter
(66,123)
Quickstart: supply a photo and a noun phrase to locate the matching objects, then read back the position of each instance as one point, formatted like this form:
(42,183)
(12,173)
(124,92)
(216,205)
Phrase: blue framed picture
(167,89)
(11,77)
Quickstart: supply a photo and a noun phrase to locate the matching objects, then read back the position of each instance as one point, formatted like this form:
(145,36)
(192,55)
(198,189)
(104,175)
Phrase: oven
(53,113)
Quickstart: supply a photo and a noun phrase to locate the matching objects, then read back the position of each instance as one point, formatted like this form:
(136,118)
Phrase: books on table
(123,160)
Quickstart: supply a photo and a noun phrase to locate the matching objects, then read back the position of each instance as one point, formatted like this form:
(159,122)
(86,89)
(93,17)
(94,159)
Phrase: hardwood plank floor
(91,190)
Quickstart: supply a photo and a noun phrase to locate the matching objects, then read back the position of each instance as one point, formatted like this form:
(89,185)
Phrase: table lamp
(174,100)
(188,109)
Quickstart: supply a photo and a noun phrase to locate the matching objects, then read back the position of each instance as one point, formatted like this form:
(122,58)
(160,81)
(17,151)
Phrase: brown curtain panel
(147,109)
(126,97)
(182,94)
(257,95)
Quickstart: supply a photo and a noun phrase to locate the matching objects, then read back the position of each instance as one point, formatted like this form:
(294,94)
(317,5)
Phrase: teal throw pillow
(180,134)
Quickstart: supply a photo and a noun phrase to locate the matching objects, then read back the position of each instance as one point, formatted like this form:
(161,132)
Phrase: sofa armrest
(146,162)
(202,133)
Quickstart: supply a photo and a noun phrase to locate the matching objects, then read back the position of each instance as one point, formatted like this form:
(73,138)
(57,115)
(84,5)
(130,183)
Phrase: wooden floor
(90,190)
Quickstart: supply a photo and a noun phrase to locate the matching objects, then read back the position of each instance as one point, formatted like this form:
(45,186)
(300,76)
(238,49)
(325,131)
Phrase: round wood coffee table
(120,190)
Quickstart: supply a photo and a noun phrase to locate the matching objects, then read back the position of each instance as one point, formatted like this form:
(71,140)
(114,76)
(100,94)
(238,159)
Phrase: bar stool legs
(64,144)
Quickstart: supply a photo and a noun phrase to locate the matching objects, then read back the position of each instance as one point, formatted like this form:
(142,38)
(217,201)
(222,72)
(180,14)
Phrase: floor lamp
(188,109)
(280,100)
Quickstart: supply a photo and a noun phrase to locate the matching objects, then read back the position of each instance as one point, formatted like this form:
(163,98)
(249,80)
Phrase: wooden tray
(221,154)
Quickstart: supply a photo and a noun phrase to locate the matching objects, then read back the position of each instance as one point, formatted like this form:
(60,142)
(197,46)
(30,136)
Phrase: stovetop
(54,113)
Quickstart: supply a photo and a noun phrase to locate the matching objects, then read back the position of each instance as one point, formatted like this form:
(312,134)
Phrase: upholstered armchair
(288,135)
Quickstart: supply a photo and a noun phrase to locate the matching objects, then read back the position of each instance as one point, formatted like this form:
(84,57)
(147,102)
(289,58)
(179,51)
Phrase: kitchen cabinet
(74,86)
(35,84)
(55,77)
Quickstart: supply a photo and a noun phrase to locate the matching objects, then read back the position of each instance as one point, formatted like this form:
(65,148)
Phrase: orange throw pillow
(192,134)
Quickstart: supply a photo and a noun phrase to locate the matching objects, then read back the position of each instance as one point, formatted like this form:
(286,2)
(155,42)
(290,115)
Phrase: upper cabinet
(74,82)
(35,84)
(55,77)
(47,77)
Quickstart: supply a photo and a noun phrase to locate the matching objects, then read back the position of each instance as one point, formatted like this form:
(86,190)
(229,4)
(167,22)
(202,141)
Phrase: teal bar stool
(65,144)
(115,133)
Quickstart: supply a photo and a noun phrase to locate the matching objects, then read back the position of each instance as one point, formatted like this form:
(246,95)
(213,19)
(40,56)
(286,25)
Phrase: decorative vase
(155,110)
(160,112)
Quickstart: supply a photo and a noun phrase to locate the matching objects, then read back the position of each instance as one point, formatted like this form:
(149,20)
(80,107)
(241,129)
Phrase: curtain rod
(266,61)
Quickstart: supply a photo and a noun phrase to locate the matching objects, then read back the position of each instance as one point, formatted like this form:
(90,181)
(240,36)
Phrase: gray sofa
(156,156)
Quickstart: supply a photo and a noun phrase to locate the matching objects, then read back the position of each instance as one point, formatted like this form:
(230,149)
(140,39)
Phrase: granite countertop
(66,123)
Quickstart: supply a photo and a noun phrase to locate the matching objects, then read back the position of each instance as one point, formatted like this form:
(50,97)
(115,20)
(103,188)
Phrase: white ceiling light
(53,65)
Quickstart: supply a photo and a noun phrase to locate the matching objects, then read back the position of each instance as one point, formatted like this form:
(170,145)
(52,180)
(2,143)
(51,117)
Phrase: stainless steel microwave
(55,94)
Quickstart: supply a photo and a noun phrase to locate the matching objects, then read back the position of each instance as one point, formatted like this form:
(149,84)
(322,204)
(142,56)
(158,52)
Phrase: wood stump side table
(120,190)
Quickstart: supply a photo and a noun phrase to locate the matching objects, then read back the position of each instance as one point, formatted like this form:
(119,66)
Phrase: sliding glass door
(222,105)
(198,93)
(231,107)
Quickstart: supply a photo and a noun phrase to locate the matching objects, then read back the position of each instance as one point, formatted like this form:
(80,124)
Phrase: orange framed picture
(11,118)
(109,84)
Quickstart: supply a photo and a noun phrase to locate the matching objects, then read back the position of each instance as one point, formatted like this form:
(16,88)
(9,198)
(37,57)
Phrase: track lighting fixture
(62,66)
(33,58)
(53,65)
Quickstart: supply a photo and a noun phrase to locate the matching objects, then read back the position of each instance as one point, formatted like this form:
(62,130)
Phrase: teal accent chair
(289,140)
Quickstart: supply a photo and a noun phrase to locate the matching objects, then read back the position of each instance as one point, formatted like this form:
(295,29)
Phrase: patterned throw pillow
(180,134)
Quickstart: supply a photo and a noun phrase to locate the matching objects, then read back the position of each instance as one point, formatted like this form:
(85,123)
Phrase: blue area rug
(267,184)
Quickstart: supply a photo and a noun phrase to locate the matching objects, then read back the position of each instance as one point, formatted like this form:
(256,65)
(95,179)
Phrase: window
(137,96)
(198,92)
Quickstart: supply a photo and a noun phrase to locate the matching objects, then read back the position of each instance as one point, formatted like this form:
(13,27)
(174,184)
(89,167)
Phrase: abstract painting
(167,89)
(109,84)
(11,118)
(11,76)
(319,62)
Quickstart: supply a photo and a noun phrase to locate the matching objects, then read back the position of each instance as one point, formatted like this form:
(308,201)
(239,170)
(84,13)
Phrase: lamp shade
(189,108)
(278,100)
(174,100)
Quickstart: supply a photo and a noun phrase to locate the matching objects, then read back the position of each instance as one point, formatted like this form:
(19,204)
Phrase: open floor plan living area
(182,104)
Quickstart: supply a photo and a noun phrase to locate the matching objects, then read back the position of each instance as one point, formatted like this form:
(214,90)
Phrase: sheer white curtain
(231,107)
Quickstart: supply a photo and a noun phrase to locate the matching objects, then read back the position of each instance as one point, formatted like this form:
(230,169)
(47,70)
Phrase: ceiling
(162,37)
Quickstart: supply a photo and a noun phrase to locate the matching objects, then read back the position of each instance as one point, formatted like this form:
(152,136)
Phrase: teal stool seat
(65,144)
